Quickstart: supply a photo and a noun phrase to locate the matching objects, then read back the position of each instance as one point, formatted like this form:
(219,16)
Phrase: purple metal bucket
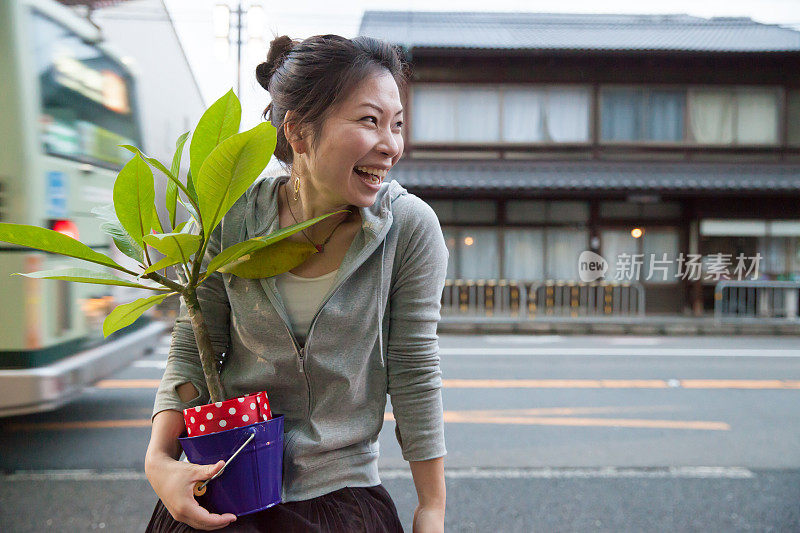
(252,482)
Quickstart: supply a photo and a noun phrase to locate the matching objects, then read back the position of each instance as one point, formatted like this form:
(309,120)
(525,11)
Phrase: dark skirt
(350,510)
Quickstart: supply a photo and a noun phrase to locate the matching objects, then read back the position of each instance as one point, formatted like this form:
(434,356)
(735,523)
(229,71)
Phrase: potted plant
(223,164)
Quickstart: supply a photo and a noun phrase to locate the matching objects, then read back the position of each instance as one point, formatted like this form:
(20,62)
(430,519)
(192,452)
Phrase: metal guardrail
(525,300)
(756,301)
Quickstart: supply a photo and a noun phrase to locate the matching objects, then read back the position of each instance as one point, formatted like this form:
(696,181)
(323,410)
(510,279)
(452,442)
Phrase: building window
(456,114)
(733,116)
(658,248)
(524,254)
(564,247)
(642,114)
(472,114)
(478,253)
(548,114)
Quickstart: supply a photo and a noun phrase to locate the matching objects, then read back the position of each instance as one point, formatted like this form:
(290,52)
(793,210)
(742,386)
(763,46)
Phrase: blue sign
(56,196)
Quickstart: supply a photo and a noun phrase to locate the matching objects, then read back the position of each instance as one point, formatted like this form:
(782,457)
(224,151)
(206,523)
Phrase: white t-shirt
(301,297)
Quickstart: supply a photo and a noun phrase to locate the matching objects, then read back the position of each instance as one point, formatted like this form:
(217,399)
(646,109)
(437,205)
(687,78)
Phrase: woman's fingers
(204,472)
(199,518)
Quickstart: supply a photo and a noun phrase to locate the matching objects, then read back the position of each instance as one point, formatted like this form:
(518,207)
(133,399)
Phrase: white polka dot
(202,427)
(192,419)
(252,406)
(209,416)
(265,416)
(197,409)
(189,431)
(218,404)
(241,400)
(222,423)
(245,418)
(232,411)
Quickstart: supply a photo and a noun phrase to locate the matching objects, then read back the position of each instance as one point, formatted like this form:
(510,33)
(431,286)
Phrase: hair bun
(279,48)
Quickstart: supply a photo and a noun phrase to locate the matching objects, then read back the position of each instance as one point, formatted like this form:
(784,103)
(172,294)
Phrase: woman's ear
(293,134)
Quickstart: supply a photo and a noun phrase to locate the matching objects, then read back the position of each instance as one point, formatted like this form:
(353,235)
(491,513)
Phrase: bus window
(87,98)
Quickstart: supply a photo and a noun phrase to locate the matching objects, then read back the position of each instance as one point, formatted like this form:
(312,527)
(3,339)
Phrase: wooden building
(538,136)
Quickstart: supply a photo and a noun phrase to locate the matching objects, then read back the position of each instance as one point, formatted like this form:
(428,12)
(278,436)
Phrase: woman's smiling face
(364,130)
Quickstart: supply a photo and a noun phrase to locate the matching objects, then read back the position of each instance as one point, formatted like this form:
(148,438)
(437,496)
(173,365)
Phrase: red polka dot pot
(222,416)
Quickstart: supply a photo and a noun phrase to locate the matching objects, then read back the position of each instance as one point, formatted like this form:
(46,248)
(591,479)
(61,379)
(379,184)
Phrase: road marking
(500,417)
(620,384)
(627,341)
(522,339)
(79,424)
(150,363)
(644,352)
(610,472)
(538,417)
(752,384)
(128,384)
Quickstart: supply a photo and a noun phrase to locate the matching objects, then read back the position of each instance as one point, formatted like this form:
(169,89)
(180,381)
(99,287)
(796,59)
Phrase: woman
(329,339)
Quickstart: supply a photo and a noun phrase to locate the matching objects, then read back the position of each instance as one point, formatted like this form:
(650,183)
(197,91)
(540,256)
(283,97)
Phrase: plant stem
(155,276)
(204,346)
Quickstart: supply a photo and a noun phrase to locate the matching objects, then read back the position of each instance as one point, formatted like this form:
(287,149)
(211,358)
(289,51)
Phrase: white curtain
(479,253)
(478,115)
(434,114)
(564,247)
(711,116)
(524,254)
(522,115)
(567,114)
(656,243)
(614,243)
(757,116)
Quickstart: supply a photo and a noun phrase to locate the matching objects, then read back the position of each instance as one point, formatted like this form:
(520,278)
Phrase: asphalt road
(544,433)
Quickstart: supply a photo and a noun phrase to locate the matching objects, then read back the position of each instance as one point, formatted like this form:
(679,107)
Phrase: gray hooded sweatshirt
(374,333)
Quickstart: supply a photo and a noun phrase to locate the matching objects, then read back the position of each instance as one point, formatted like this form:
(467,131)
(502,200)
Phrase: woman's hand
(174,481)
(428,520)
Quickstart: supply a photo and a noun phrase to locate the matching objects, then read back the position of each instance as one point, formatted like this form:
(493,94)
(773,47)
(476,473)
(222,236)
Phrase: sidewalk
(648,325)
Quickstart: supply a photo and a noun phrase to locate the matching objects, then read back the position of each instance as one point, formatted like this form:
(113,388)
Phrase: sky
(216,73)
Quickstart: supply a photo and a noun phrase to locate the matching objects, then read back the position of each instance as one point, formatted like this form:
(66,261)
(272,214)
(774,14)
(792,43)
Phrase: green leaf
(230,169)
(51,241)
(85,275)
(176,245)
(271,260)
(134,197)
(124,242)
(126,314)
(233,253)
(172,187)
(158,265)
(156,221)
(190,186)
(112,227)
(191,210)
(160,166)
(219,122)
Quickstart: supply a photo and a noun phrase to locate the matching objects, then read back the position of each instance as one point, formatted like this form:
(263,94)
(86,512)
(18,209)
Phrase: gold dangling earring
(296,188)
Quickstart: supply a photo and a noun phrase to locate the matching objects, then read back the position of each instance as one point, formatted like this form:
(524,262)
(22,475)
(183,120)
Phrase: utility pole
(239,51)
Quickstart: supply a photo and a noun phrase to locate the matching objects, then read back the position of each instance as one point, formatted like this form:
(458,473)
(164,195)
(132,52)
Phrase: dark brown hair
(313,76)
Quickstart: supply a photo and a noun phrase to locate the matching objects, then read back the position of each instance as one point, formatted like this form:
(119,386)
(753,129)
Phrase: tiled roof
(551,31)
(537,176)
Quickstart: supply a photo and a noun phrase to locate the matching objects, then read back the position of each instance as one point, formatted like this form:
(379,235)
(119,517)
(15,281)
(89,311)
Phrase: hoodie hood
(261,218)
(262,207)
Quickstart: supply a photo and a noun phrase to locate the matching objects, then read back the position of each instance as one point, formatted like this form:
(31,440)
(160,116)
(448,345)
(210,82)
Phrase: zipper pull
(300,359)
